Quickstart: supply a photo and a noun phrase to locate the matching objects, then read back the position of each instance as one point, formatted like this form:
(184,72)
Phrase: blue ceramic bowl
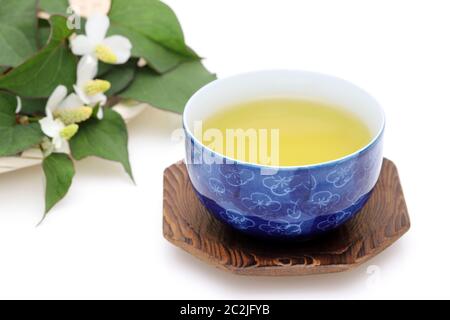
(283,202)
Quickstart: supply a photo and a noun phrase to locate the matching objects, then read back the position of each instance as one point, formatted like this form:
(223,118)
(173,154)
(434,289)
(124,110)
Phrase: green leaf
(153,19)
(15,138)
(172,90)
(154,31)
(52,66)
(21,14)
(106,138)
(104,68)
(15,47)
(59,172)
(3,69)
(158,57)
(120,77)
(54,6)
(17,28)
(33,106)
(44,33)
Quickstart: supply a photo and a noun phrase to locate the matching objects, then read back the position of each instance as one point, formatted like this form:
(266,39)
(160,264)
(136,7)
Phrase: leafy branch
(56,83)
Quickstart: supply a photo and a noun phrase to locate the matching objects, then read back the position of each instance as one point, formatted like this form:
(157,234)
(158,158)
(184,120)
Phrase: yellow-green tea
(301,132)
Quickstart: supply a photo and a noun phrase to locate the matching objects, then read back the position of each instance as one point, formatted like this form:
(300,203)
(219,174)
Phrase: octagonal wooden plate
(188,225)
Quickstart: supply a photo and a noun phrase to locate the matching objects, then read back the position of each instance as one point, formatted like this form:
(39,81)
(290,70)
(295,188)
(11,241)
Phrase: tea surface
(309,132)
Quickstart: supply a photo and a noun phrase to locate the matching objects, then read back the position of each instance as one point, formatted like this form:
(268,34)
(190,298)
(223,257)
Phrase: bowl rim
(352,155)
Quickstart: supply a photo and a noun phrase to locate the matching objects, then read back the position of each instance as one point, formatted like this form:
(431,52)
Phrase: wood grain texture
(188,225)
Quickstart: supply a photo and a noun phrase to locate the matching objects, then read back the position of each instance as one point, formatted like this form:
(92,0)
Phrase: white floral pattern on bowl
(294,202)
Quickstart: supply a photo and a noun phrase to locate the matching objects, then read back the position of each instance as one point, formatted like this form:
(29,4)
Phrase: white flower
(55,128)
(19,105)
(56,99)
(113,50)
(90,91)
(69,109)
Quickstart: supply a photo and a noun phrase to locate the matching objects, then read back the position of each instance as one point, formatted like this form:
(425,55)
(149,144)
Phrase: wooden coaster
(188,225)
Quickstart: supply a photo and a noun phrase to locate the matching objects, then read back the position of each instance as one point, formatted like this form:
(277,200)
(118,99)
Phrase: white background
(105,239)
